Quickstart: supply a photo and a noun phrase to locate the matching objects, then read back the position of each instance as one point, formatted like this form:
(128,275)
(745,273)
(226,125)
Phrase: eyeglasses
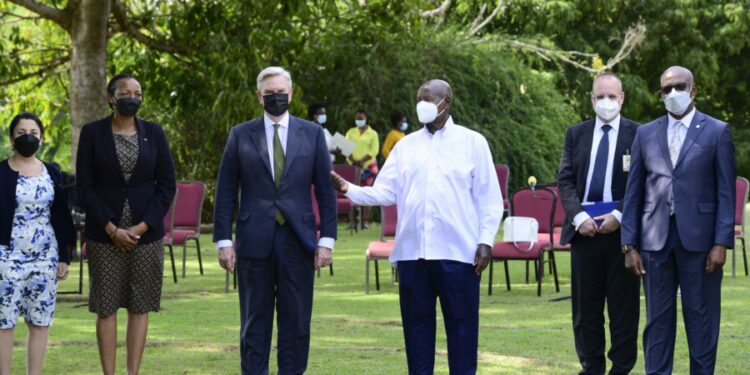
(677,86)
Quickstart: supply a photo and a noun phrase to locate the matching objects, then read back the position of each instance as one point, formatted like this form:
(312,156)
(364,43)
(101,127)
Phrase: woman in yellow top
(364,153)
(398,121)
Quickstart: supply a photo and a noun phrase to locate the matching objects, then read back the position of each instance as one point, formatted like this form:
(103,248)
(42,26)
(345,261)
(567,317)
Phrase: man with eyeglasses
(678,221)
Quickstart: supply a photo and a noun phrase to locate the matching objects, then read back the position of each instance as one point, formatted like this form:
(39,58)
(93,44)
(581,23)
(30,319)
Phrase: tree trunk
(88,73)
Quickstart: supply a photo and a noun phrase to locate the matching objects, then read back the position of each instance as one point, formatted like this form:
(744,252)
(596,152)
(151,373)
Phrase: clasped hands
(609,225)
(126,239)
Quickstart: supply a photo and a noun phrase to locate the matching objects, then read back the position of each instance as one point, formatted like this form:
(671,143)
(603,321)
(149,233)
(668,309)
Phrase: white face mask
(607,109)
(677,102)
(404,126)
(360,123)
(427,112)
(322,119)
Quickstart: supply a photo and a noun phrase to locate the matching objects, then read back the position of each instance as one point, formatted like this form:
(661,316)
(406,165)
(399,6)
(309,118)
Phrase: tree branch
(53,14)
(121,16)
(437,11)
(52,65)
(475,28)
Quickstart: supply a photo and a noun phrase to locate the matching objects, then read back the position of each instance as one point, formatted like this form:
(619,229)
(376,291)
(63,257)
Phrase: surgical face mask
(427,112)
(128,106)
(404,126)
(322,119)
(607,109)
(360,123)
(677,102)
(26,144)
(276,104)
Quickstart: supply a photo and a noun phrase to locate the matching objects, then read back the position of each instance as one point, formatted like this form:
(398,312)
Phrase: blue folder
(600,208)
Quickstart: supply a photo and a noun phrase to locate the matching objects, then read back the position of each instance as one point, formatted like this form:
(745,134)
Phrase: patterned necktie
(676,144)
(596,187)
(278,166)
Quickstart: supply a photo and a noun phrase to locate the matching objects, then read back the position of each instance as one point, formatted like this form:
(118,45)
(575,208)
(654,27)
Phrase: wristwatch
(626,248)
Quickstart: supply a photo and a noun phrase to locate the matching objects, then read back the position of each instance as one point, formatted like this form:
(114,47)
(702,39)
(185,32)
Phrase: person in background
(443,183)
(316,113)
(36,230)
(594,168)
(399,124)
(126,183)
(364,154)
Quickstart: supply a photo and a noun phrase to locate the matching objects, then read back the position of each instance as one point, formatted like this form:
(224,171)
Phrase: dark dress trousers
(101,184)
(60,217)
(674,248)
(274,261)
(597,264)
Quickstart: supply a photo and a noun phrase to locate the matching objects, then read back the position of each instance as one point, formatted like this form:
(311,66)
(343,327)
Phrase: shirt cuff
(326,242)
(224,243)
(618,215)
(580,218)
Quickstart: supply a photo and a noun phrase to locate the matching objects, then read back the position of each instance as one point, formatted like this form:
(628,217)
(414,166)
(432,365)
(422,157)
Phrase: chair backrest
(389,221)
(539,204)
(742,185)
(503,174)
(187,212)
(315,208)
(169,217)
(559,219)
(349,173)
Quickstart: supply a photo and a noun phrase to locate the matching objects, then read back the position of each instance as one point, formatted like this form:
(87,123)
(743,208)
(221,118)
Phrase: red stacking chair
(187,219)
(539,204)
(742,185)
(558,223)
(343,204)
(169,230)
(503,174)
(381,250)
(316,211)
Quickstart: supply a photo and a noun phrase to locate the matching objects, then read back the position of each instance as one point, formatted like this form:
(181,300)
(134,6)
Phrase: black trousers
(598,276)
(283,279)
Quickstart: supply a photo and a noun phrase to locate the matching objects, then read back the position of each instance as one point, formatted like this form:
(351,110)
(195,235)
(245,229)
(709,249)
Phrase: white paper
(346,146)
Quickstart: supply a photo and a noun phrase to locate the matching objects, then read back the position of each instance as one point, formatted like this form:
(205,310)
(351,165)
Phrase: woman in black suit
(126,183)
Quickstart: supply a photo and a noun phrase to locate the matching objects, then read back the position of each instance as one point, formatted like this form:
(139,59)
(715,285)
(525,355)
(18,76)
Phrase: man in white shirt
(443,181)
(270,164)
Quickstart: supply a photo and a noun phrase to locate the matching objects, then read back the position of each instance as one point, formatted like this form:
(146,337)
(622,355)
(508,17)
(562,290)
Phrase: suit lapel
(661,138)
(294,140)
(696,127)
(587,142)
(258,136)
(108,141)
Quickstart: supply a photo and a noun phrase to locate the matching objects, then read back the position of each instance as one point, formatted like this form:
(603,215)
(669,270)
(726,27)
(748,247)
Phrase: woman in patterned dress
(35,231)
(126,182)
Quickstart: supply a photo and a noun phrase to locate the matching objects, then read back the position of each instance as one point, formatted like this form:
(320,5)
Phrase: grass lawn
(353,333)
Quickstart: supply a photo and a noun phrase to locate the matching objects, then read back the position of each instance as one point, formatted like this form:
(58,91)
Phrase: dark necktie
(278,166)
(596,189)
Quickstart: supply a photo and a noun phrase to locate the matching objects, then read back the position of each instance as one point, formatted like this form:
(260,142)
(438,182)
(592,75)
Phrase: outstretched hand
(339,183)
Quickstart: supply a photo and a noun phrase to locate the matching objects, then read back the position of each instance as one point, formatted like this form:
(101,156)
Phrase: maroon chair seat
(351,174)
(187,220)
(380,249)
(509,251)
(344,204)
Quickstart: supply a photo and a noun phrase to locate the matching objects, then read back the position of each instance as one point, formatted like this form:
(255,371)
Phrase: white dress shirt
(283,132)
(446,191)
(607,193)
(671,121)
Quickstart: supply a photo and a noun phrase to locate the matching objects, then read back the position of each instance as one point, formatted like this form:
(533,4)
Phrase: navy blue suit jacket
(703,181)
(245,172)
(102,188)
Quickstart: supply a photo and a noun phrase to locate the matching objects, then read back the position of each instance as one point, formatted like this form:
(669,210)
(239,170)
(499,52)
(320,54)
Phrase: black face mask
(128,107)
(276,104)
(26,145)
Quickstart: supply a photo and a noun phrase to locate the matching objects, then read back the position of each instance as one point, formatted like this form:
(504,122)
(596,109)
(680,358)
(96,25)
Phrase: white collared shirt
(446,191)
(607,193)
(283,132)
(671,121)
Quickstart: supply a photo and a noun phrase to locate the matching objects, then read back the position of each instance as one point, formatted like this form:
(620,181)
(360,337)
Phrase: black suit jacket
(102,188)
(574,167)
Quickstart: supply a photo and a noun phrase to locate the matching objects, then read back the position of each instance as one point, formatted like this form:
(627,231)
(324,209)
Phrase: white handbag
(520,229)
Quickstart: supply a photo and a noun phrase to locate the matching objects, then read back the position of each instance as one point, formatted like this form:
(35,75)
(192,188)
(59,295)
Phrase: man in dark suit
(678,221)
(273,162)
(594,168)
